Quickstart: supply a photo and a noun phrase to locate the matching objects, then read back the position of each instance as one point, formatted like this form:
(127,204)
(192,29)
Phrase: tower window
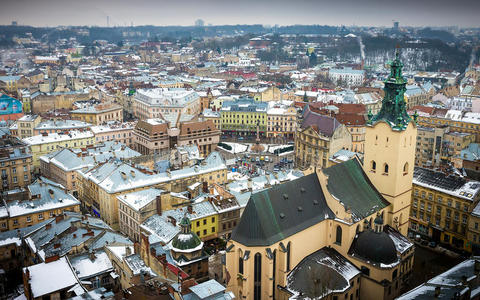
(338,239)
(373,165)
(405,168)
(385,169)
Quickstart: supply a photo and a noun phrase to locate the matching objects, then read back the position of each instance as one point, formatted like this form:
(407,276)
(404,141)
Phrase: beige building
(15,163)
(441,206)
(153,103)
(99,187)
(281,121)
(99,114)
(348,221)
(154,136)
(134,208)
(121,132)
(26,125)
(318,138)
(438,145)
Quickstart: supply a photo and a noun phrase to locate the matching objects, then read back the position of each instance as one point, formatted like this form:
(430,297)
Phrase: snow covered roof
(448,184)
(48,197)
(57,137)
(138,200)
(89,265)
(46,278)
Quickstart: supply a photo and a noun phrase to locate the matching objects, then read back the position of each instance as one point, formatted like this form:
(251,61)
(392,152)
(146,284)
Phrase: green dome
(186,241)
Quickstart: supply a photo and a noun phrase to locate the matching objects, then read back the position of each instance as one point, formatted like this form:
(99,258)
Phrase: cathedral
(337,233)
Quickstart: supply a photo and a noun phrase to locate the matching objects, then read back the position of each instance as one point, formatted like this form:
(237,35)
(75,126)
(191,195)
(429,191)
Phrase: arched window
(385,169)
(338,238)
(373,165)
(376,139)
(257,277)
(405,168)
(288,256)
(240,262)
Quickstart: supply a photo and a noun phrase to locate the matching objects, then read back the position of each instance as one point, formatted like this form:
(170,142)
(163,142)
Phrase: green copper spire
(393,109)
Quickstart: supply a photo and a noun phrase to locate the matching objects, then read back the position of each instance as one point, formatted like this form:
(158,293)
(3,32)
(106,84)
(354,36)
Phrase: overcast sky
(217,12)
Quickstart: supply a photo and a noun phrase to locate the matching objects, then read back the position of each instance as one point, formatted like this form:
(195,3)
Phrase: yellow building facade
(48,142)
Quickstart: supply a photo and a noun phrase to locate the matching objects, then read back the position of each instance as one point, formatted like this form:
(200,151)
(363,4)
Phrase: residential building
(134,208)
(46,199)
(281,121)
(58,284)
(26,125)
(151,136)
(347,221)
(348,76)
(242,117)
(318,137)
(163,228)
(438,146)
(153,103)
(418,94)
(99,187)
(98,114)
(154,136)
(15,163)
(59,126)
(61,165)
(48,142)
(121,132)
(214,116)
(441,206)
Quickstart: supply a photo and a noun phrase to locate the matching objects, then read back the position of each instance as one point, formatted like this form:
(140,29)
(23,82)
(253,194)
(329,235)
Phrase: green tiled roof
(348,183)
(274,214)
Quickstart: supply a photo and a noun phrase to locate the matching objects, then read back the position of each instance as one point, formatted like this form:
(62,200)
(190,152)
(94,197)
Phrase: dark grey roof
(321,273)
(281,211)
(326,125)
(375,247)
(438,179)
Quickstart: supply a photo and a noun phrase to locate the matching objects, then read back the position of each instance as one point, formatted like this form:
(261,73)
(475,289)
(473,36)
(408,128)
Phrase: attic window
(302,190)
(285,196)
(282,215)
(300,208)
(315,202)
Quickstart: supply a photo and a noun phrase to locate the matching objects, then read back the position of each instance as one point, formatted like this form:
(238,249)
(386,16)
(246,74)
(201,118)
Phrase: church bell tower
(390,140)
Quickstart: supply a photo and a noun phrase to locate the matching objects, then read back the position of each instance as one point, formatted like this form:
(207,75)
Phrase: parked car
(432,244)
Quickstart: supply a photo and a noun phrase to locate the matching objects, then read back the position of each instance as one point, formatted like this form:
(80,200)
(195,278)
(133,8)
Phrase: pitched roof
(325,125)
(281,211)
(348,183)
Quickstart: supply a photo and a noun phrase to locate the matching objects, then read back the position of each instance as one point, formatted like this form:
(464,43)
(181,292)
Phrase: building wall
(30,219)
(313,149)
(99,117)
(45,148)
(442,217)
(394,150)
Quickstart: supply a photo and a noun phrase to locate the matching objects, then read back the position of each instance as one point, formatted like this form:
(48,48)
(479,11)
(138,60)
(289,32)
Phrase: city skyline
(281,12)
